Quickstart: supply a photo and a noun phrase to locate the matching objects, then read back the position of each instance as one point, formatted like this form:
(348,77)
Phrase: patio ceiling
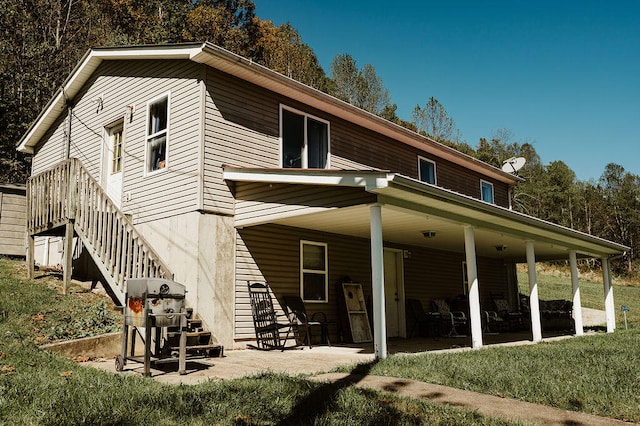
(410,208)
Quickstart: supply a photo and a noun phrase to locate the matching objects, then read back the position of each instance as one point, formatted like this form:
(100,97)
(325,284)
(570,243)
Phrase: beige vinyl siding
(265,202)
(271,253)
(12,221)
(241,129)
(52,148)
(121,84)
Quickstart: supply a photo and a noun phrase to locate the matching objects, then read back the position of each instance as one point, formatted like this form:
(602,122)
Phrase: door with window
(394,293)
(115,136)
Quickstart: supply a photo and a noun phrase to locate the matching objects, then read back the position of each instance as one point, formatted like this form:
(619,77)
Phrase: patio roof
(411,208)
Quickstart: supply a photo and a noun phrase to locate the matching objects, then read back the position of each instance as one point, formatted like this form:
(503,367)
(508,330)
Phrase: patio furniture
(426,324)
(294,309)
(493,323)
(265,320)
(454,319)
(513,319)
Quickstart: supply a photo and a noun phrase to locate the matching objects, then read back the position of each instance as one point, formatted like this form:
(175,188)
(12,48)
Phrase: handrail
(67,192)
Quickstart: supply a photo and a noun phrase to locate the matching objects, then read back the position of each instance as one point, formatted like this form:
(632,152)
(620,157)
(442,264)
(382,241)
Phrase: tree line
(42,40)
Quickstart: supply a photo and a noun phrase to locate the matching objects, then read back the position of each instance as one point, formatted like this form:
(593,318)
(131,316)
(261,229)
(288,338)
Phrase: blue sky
(563,75)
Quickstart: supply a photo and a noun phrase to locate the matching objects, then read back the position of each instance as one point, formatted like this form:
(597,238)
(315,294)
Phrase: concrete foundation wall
(198,248)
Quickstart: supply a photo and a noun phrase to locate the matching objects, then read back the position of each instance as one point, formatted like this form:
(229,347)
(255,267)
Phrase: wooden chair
(297,314)
(265,320)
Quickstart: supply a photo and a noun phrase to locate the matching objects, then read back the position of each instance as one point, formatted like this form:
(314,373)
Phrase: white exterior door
(394,293)
(114,163)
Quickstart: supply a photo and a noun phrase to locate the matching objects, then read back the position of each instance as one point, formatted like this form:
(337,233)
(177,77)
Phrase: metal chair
(297,314)
(265,320)
(455,318)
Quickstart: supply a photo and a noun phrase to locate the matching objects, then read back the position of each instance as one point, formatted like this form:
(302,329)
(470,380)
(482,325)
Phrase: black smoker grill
(155,305)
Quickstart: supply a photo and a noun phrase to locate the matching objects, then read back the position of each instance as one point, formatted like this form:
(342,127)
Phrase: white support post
(577,304)
(474,292)
(377,282)
(609,307)
(534,302)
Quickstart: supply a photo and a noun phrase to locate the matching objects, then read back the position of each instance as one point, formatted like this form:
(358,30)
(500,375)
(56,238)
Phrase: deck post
(30,256)
(377,282)
(577,304)
(474,292)
(534,302)
(68,256)
(609,307)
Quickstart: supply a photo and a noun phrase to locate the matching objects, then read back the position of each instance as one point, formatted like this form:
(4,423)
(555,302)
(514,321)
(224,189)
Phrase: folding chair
(297,314)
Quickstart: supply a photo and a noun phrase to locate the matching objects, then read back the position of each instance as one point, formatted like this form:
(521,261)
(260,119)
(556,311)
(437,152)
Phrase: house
(12,219)
(191,162)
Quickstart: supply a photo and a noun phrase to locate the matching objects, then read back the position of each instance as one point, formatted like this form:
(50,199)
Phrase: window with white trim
(305,140)
(314,276)
(116,135)
(427,170)
(486,191)
(157,134)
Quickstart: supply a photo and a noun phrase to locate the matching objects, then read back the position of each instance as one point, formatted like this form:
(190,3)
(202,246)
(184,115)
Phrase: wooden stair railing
(68,194)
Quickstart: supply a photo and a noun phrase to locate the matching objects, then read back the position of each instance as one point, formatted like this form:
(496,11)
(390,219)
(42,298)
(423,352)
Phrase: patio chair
(297,314)
(455,319)
(265,320)
(512,319)
(493,323)
(417,319)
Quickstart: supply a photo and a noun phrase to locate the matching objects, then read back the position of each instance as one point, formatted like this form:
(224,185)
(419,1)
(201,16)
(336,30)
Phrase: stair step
(190,334)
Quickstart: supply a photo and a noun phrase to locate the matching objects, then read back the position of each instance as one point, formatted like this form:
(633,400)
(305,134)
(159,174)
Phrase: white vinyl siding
(122,84)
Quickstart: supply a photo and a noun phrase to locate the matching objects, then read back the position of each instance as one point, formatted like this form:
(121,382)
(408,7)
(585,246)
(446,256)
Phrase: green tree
(360,87)
(433,121)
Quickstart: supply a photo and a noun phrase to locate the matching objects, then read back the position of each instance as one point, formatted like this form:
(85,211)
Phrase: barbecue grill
(155,305)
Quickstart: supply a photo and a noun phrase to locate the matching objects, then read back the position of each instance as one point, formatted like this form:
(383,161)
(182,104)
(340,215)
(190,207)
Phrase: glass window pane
(292,139)
(157,153)
(313,286)
(487,192)
(317,144)
(427,171)
(158,116)
(313,257)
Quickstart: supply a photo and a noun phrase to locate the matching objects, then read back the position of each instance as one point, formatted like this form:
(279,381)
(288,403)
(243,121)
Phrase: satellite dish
(513,164)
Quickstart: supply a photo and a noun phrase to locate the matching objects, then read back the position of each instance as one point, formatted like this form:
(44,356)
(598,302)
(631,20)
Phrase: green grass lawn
(597,374)
(41,388)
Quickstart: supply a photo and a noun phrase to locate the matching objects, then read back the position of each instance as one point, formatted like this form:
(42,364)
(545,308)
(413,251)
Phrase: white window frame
(493,193)
(435,173)
(324,272)
(115,128)
(305,157)
(149,137)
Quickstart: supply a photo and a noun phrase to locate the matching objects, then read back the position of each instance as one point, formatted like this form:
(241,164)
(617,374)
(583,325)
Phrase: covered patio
(391,210)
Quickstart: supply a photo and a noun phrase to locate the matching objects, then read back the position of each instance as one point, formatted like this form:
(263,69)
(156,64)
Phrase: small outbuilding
(13,212)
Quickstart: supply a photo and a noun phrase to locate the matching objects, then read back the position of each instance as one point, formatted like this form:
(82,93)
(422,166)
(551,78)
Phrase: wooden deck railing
(68,193)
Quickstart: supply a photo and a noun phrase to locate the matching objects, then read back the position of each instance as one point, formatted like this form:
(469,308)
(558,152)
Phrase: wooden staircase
(200,342)
(67,200)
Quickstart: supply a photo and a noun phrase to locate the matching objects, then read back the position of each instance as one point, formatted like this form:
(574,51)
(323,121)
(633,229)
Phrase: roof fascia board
(81,73)
(255,73)
(368,180)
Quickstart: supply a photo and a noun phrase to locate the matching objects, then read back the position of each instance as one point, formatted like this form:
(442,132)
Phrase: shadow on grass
(324,397)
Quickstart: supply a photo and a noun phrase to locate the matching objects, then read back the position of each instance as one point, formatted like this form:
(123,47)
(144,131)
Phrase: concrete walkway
(487,405)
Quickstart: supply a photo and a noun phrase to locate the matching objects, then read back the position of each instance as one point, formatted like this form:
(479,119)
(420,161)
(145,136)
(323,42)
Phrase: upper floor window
(314,271)
(427,170)
(157,133)
(305,140)
(486,191)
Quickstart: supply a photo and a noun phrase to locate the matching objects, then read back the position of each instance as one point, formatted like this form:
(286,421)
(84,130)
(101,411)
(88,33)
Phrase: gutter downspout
(67,153)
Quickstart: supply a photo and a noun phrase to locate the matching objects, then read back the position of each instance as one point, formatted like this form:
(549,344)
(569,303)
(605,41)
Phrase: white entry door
(114,164)
(394,293)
